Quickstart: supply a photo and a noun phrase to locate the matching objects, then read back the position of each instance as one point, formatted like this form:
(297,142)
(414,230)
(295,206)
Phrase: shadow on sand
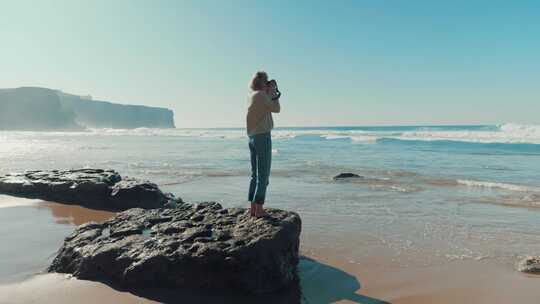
(319,283)
(322,283)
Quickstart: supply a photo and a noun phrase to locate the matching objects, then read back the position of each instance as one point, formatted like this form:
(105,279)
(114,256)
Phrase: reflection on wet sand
(74,214)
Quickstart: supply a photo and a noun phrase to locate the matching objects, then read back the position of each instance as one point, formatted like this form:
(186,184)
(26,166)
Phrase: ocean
(427,194)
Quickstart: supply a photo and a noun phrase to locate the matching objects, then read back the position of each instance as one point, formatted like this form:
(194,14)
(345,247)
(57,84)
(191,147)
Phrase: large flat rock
(193,246)
(93,188)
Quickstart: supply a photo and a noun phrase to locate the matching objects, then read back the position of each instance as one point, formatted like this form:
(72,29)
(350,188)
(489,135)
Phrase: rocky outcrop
(346,175)
(193,246)
(530,265)
(93,188)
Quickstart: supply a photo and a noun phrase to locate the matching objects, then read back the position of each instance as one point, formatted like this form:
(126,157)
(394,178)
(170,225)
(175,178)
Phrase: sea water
(426,194)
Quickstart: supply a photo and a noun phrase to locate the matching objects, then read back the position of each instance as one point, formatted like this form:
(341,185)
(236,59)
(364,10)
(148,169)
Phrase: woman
(263,101)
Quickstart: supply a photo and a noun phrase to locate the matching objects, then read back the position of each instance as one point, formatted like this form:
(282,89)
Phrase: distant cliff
(31,108)
(34,109)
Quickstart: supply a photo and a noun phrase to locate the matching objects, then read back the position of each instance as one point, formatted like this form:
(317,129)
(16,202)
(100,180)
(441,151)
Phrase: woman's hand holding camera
(273,89)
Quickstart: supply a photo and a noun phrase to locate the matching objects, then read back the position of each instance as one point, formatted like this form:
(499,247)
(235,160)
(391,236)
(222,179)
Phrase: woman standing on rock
(263,101)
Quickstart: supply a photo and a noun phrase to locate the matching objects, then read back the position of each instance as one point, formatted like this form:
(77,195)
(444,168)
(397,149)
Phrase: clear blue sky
(337,62)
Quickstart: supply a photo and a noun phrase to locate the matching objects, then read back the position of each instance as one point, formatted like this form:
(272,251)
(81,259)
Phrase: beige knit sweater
(259,114)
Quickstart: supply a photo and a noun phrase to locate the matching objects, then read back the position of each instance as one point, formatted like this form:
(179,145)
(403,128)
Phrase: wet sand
(31,232)
(486,281)
(456,282)
(34,230)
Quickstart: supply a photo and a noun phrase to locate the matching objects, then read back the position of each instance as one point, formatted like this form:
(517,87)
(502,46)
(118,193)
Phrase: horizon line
(370,126)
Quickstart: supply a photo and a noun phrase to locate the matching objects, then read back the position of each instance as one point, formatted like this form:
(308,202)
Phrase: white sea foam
(364,138)
(331,136)
(461,257)
(504,133)
(504,186)
(522,130)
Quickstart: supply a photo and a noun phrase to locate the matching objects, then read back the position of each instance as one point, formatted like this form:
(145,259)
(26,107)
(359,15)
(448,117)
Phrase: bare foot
(253,209)
(259,211)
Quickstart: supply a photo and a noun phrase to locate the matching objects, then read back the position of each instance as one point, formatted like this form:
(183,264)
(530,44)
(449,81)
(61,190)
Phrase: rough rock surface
(94,188)
(530,265)
(194,246)
(346,175)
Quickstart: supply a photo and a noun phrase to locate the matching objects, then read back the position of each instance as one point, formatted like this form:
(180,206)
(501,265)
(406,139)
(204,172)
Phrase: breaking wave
(503,186)
(509,133)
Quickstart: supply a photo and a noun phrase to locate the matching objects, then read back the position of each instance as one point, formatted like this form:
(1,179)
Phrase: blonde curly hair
(259,80)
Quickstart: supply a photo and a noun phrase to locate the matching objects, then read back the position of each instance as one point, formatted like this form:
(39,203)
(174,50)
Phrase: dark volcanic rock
(194,246)
(94,188)
(530,265)
(346,175)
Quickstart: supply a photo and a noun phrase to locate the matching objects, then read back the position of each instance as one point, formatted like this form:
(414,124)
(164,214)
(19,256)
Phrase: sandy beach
(325,280)
(327,276)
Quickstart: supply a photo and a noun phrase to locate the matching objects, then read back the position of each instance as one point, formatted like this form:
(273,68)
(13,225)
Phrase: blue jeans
(260,147)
